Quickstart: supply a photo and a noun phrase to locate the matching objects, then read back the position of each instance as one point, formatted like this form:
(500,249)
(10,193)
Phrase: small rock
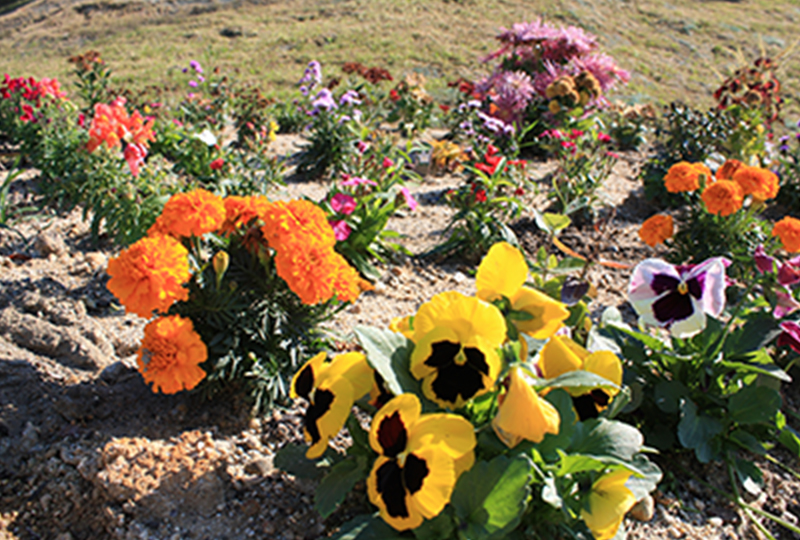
(49,242)
(64,536)
(30,436)
(260,466)
(700,505)
(231,31)
(117,371)
(458,277)
(644,509)
(715,521)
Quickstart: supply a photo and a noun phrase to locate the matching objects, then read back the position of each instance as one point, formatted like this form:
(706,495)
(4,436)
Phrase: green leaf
(439,528)
(668,395)
(750,476)
(761,363)
(748,441)
(292,459)
(562,401)
(581,381)
(789,438)
(388,353)
(335,486)
(367,528)
(757,332)
(575,463)
(602,437)
(696,431)
(490,498)
(551,223)
(647,478)
(754,405)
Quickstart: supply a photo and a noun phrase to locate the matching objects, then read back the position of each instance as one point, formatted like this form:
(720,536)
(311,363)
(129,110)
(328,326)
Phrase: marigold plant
(656,229)
(170,355)
(685,176)
(788,231)
(723,197)
(762,184)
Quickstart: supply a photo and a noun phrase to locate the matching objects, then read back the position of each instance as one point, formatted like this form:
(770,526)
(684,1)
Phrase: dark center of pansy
(683,288)
(316,410)
(304,383)
(673,307)
(392,435)
(393,481)
(458,371)
(589,405)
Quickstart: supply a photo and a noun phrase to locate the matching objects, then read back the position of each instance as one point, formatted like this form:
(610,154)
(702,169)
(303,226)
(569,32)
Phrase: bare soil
(87,450)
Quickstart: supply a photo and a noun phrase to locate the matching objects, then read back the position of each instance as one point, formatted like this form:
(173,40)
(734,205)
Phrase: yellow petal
(437,487)
(402,325)
(354,368)
(501,273)
(608,503)
(607,365)
(466,315)
(548,314)
(453,433)
(332,421)
(561,355)
(383,429)
(522,414)
(313,367)
(424,348)
(412,520)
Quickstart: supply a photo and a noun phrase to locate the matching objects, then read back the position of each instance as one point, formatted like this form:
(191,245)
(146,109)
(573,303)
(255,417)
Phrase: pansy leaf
(754,405)
(757,332)
(562,401)
(292,459)
(369,527)
(388,353)
(748,441)
(490,498)
(339,481)
(576,463)
(789,438)
(619,403)
(600,437)
(696,431)
(645,480)
(579,380)
(549,222)
(668,395)
(758,362)
(750,476)
(439,528)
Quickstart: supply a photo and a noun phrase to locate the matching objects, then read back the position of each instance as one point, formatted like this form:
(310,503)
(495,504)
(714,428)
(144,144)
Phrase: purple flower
(341,230)
(193,84)
(789,272)
(195,65)
(514,91)
(764,263)
(350,98)
(200,78)
(790,337)
(496,125)
(323,100)
(785,305)
(678,297)
(343,204)
(312,75)
(410,200)
(604,68)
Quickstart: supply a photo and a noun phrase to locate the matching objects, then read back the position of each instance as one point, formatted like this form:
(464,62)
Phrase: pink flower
(575,134)
(362,146)
(604,137)
(134,154)
(387,163)
(789,272)
(410,200)
(357,181)
(343,204)
(341,230)
(790,336)
(786,305)
(764,263)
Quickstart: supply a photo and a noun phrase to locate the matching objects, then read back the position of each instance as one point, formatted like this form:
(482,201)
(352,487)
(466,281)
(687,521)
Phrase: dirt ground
(87,451)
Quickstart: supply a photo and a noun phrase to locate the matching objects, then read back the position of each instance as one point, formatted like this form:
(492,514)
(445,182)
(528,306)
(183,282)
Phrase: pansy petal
(607,365)
(560,355)
(326,415)
(427,348)
(522,414)
(436,487)
(386,491)
(453,433)
(609,501)
(354,368)
(466,315)
(640,289)
(389,433)
(548,313)
(691,325)
(306,377)
(501,273)
(714,284)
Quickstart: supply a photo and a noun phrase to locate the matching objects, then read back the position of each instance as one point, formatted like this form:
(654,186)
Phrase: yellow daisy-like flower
(502,273)
(170,355)
(522,414)
(561,355)
(420,460)
(608,503)
(455,356)
(331,389)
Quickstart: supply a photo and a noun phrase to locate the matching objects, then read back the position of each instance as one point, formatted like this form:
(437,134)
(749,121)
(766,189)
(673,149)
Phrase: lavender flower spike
(678,297)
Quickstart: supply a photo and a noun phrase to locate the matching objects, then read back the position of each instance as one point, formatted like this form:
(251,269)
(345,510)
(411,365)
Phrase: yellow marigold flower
(298,222)
(685,176)
(170,355)
(455,356)
(522,414)
(190,214)
(420,460)
(728,169)
(502,274)
(561,355)
(331,389)
(608,503)
(760,183)
(656,229)
(242,211)
(723,197)
(150,275)
(788,230)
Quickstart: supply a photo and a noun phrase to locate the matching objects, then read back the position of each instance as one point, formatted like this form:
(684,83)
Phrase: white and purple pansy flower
(678,297)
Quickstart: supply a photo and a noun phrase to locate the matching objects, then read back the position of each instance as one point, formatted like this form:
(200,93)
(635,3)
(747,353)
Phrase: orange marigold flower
(723,197)
(308,272)
(728,169)
(170,355)
(656,229)
(190,214)
(150,275)
(347,284)
(760,183)
(241,211)
(297,222)
(685,176)
(788,230)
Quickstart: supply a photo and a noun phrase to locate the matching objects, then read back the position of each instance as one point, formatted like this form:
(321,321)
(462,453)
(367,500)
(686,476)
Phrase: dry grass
(675,50)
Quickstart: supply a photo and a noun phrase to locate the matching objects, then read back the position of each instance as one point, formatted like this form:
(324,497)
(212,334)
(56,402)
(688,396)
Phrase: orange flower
(316,274)
(240,211)
(760,183)
(728,169)
(170,354)
(190,214)
(112,124)
(296,222)
(150,275)
(656,229)
(723,197)
(685,176)
(788,230)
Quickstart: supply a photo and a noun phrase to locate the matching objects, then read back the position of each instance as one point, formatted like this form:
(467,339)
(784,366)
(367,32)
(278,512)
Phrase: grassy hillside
(675,50)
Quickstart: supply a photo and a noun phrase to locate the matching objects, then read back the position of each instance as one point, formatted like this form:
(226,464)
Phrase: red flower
(444,108)
(480,195)
(575,133)
(393,95)
(604,137)
(217,164)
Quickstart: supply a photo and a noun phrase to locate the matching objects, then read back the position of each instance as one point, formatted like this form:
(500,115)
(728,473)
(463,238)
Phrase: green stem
(731,319)
(745,507)
(782,466)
